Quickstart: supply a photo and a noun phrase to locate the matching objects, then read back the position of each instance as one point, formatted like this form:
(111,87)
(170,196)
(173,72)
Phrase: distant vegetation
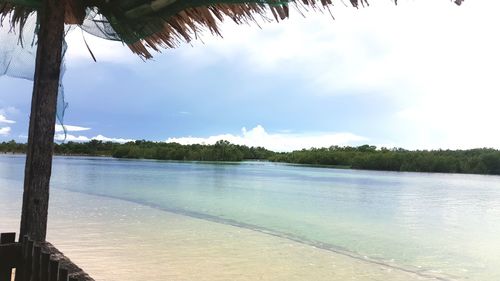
(220,151)
(473,161)
(141,149)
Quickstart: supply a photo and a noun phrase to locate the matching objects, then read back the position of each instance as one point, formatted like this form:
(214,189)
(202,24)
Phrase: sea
(164,220)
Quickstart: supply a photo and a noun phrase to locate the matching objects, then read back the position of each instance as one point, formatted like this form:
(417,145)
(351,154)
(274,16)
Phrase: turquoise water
(441,225)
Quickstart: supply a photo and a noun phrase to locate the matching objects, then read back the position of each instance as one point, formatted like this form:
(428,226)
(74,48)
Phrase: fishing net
(18,54)
(18,50)
(98,25)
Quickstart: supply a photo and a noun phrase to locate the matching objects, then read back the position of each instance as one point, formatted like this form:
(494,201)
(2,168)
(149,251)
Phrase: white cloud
(103,138)
(370,50)
(4,131)
(70,137)
(4,119)
(103,50)
(431,58)
(277,142)
(70,128)
(435,61)
(9,110)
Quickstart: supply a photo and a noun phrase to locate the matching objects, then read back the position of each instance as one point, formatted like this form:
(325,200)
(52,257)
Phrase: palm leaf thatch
(143,24)
(155,24)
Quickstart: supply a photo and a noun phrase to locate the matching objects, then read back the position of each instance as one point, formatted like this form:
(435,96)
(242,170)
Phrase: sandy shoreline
(141,242)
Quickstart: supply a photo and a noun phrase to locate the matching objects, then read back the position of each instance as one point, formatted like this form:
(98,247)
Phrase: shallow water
(264,221)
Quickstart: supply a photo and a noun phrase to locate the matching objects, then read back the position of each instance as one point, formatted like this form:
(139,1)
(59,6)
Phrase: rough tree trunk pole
(42,121)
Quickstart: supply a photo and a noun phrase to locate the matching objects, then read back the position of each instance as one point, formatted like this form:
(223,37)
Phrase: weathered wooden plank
(44,266)
(42,120)
(65,262)
(35,264)
(7,238)
(9,255)
(38,261)
(5,274)
(28,259)
(63,274)
(54,270)
(20,266)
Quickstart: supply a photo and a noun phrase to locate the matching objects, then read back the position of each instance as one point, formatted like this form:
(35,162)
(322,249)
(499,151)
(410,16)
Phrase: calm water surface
(264,221)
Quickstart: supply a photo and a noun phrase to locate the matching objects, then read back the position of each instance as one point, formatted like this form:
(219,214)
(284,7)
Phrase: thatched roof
(163,23)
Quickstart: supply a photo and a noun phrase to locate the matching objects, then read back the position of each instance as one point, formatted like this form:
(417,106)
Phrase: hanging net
(18,50)
(18,54)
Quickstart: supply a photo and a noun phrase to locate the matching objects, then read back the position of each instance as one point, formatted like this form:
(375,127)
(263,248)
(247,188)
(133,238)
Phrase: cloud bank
(4,119)
(70,128)
(70,137)
(439,75)
(276,142)
(60,136)
(4,131)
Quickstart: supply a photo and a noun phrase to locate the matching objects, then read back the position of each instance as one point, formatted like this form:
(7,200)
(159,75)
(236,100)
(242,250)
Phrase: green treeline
(141,149)
(220,151)
(12,147)
(91,148)
(473,161)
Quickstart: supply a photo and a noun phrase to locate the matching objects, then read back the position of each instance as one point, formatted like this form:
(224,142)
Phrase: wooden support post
(42,120)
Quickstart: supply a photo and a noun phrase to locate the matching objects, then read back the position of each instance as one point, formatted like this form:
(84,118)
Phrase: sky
(420,75)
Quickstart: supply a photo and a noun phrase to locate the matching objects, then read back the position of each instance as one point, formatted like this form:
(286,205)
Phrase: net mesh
(97,25)
(18,55)
(18,50)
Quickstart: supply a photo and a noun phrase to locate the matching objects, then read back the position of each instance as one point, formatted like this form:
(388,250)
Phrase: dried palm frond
(155,24)
(16,14)
(170,22)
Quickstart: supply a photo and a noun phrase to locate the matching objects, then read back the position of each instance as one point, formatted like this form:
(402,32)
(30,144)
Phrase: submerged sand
(118,240)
